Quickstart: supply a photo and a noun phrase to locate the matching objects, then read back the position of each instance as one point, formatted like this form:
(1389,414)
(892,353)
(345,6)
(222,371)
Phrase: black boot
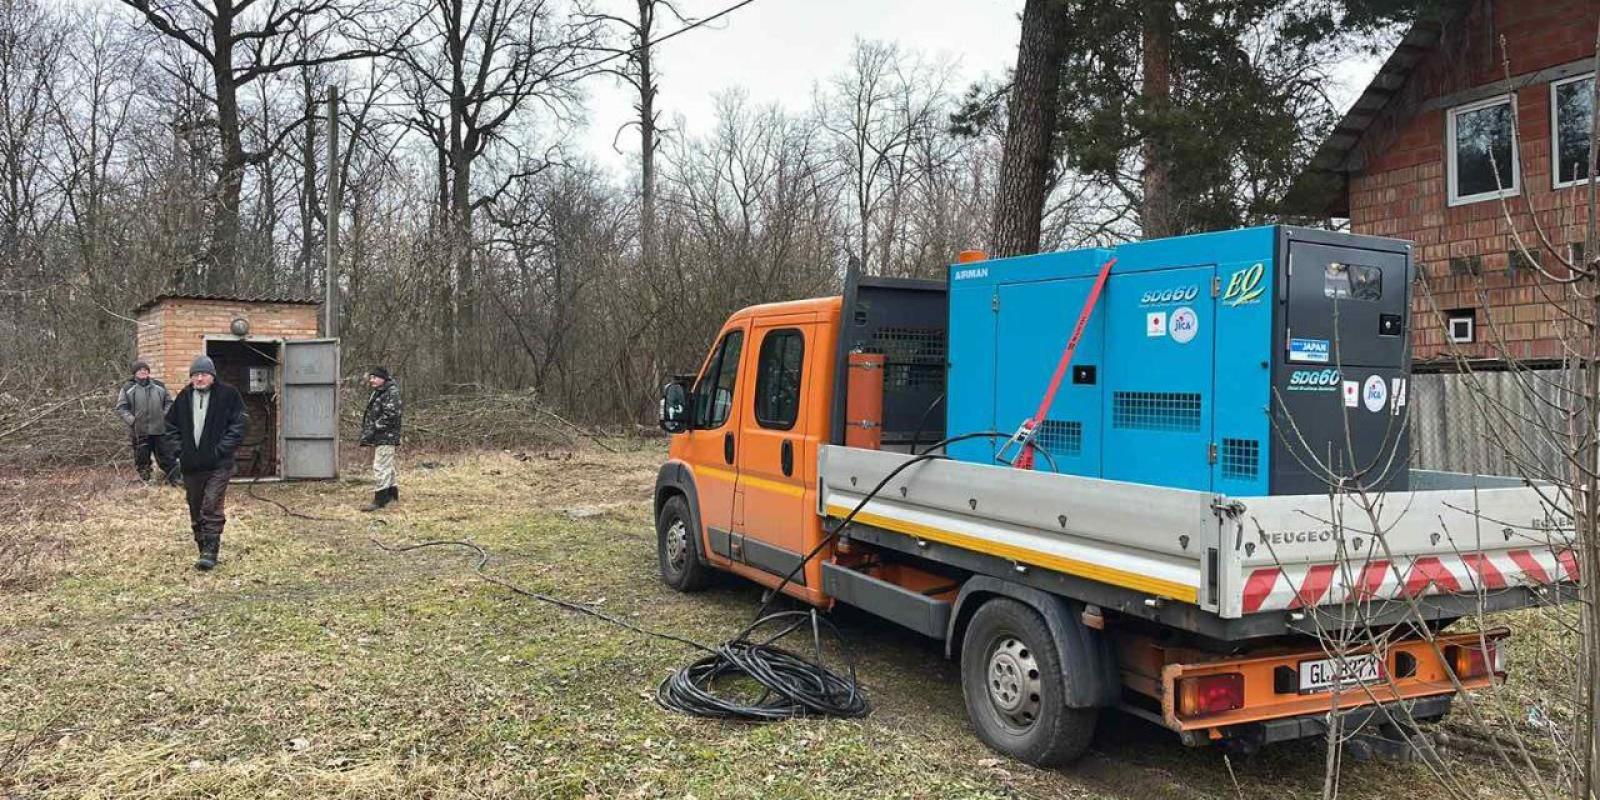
(394,494)
(380,499)
(209,545)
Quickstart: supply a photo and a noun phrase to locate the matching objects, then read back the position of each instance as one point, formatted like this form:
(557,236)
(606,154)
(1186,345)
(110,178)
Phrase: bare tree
(241,42)
(474,68)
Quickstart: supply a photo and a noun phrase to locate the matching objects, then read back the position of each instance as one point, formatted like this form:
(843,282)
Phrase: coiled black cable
(793,685)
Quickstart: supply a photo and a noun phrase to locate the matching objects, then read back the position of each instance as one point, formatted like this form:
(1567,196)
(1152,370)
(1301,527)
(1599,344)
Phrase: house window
(1482,164)
(1461,325)
(1571,114)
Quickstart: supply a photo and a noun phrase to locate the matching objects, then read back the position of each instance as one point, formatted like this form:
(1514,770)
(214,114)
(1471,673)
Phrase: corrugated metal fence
(1491,423)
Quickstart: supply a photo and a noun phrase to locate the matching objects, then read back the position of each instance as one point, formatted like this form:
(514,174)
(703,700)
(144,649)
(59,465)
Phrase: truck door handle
(787,457)
(727,447)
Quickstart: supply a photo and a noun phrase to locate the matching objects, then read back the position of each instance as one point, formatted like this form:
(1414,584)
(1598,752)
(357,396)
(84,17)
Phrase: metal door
(1159,333)
(773,470)
(1035,321)
(309,408)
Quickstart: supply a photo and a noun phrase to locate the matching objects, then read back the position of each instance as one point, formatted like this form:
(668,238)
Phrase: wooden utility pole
(330,269)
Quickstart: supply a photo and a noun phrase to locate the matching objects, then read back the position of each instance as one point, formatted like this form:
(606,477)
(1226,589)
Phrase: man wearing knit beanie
(142,403)
(204,426)
(380,430)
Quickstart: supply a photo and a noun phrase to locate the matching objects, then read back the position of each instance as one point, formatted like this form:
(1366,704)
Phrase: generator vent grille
(1060,437)
(1156,411)
(1240,458)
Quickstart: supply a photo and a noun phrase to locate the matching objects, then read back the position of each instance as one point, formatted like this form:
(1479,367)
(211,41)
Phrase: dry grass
(315,665)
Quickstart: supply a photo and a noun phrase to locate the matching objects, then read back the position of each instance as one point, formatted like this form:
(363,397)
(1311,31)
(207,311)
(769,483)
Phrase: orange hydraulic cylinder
(863,425)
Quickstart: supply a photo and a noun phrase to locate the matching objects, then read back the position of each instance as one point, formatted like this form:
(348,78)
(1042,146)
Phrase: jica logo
(1244,286)
(1176,294)
(1314,380)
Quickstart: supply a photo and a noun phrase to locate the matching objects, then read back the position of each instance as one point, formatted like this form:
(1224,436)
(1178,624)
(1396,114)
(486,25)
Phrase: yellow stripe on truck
(1022,555)
(791,489)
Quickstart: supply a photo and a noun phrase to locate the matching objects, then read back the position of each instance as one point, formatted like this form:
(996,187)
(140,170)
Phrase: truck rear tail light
(1475,661)
(1211,694)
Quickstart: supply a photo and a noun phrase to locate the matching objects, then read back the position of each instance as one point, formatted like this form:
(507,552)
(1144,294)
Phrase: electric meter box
(260,380)
(1234,362)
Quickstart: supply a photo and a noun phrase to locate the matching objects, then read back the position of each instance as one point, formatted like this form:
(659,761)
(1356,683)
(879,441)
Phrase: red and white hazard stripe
(1302,586)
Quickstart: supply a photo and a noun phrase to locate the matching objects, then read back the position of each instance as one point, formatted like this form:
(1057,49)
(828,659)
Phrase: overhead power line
(685,29)
(600,62)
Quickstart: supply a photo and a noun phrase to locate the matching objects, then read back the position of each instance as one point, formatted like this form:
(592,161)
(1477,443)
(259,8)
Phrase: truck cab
(757,411)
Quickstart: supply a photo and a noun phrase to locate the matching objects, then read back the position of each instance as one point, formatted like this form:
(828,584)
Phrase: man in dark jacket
(380,430)
(204,426)
(142,403)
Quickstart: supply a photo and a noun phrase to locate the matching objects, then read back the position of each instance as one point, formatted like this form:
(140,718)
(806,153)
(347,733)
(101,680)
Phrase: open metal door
(310,409)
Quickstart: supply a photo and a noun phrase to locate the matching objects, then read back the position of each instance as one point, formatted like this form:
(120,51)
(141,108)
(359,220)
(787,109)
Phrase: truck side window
(714,392)
(778,378)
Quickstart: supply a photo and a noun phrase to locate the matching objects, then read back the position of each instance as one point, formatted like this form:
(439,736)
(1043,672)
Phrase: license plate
(1323,675)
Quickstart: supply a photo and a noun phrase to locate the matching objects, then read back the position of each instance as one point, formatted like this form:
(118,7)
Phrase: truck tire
(678,548)
(1012,681)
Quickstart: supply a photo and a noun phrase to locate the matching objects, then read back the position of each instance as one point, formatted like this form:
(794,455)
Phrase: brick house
(173,328)
(267,348)
(1427,153)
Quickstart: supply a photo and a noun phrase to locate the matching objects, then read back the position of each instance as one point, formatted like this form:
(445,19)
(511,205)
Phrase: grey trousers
(383,469)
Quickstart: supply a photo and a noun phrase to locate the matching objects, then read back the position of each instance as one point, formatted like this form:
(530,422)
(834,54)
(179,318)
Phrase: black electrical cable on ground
(792,684)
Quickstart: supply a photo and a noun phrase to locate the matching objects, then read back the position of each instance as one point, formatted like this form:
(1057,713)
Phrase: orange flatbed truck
(1064,596)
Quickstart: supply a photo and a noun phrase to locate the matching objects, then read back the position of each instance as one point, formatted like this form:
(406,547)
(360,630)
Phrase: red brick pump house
(1443,133)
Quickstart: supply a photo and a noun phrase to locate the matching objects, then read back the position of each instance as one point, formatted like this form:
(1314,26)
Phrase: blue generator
(1270,360)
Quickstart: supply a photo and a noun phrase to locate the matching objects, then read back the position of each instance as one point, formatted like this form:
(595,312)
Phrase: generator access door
(309,443)
(1160,347)
(1346,306)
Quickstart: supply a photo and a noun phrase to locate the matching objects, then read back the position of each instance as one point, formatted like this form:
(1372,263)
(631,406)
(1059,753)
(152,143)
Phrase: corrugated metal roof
(233,298)
(1322,189)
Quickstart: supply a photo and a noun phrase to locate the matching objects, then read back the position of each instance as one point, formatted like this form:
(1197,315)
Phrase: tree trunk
(1157,216)
(222,272)
(1026,160)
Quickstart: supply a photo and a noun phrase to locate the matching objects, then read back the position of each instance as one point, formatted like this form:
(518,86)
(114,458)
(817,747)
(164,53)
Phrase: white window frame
(1458,336)
(1555,133)
(1515,188)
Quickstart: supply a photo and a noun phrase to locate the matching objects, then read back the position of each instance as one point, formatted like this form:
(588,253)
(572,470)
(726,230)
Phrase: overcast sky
(777,49)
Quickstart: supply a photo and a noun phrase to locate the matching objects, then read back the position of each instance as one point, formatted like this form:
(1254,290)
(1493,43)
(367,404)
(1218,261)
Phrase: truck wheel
(1011,678)
(678,548)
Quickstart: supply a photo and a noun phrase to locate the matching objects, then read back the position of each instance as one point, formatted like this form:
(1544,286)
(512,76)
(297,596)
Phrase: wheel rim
(677,545)
(1013,682)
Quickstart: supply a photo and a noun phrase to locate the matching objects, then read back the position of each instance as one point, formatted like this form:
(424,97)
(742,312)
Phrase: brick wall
(172,332)
(1463,250)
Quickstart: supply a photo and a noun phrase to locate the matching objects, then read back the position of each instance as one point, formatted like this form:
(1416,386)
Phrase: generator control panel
(1268,360)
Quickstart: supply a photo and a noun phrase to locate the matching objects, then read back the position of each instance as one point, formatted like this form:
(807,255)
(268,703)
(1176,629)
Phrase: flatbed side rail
(1298,552)
(1148,539)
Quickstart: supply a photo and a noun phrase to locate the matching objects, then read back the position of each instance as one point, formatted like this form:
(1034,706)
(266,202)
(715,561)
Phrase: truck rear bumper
(1290,692)
(1252,735)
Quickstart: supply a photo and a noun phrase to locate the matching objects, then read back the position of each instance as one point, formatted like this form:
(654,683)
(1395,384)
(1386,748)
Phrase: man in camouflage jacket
(380,430)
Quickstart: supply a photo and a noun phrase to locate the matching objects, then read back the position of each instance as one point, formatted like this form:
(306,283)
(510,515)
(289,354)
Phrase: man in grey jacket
(142,403)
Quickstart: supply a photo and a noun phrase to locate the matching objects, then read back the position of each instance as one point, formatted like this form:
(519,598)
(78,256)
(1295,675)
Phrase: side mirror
(674,414)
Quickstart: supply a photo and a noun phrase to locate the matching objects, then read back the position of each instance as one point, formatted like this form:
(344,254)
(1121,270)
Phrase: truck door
(770,505)
(712,441)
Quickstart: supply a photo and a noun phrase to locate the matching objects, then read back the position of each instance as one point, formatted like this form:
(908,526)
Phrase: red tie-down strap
(1024,434)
